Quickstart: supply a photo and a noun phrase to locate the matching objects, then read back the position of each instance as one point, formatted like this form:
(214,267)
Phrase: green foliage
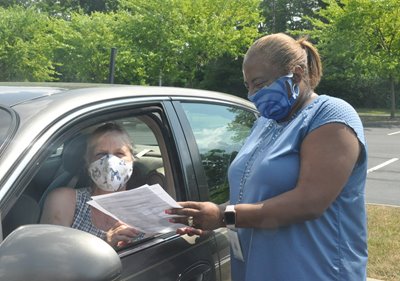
(223,74)
(284,15)
(26,45)
(84,51)
(360,44)
(64,8)
(363,34)
(177,38)
(158,41)
(199,43)
(240,126)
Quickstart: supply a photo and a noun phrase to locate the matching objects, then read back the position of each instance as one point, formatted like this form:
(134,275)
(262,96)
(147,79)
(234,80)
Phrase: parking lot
(383,181)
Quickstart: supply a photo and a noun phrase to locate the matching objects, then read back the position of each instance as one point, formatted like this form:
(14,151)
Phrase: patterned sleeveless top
(83,215)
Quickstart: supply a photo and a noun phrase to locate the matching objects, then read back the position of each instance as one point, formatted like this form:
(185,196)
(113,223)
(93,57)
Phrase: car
(184,140)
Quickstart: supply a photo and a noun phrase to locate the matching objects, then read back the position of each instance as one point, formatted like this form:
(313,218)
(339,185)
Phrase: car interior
(65,166)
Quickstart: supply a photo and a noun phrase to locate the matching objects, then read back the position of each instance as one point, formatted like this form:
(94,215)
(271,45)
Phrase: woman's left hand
(120,234)
(199,216)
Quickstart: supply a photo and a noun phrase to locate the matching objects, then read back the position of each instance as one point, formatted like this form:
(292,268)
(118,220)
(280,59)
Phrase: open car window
(65,166)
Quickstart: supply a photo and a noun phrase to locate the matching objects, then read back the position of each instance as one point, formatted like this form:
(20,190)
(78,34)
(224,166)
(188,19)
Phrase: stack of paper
(142,208)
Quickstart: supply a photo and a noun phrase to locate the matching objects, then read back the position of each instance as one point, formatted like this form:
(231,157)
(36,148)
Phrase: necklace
(302,102)
(268,137)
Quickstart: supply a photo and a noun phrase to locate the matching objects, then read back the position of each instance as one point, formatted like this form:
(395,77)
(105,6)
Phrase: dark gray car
(185,140)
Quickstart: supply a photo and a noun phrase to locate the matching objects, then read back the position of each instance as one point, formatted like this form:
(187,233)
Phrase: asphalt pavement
(383,179)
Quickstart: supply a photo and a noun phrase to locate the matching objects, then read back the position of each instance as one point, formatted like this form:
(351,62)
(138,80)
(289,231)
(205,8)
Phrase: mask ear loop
(293,90)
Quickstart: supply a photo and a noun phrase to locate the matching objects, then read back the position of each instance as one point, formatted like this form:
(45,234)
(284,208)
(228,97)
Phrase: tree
(364,36)
(223,74)
(167,42)
(64,8)
(83,53)
(285,15)
(26,45)
(177,38)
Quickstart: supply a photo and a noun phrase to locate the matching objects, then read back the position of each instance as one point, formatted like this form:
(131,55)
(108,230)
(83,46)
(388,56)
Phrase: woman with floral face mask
(109,161)
(297,186)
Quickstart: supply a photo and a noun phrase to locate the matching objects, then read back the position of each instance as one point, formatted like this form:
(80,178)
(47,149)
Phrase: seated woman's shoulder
(62,192)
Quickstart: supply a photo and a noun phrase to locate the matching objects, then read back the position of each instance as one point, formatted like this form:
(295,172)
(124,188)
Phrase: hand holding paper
(142,208)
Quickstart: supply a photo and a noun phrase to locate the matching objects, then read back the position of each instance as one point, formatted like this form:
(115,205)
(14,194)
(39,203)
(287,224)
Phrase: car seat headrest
(74,154)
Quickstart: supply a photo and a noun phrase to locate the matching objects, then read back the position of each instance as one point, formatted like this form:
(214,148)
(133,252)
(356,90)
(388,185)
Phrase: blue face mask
(272,101)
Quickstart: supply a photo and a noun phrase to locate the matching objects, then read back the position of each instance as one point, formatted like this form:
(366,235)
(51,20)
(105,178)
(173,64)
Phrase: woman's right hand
(199,216)
(121,234)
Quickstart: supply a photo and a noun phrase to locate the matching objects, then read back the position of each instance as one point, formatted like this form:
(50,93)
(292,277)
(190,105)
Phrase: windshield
(7,124)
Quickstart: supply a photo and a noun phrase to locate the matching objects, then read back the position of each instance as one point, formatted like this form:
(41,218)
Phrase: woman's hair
(103,129)
(285,53)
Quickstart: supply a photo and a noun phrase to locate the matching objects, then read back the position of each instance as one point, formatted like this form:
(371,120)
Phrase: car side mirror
(51,252)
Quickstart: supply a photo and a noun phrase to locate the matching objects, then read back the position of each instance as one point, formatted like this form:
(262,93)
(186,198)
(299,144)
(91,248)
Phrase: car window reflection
(220,132)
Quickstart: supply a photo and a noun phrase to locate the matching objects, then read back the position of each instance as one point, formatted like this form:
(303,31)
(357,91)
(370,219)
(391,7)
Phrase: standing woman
(297,186)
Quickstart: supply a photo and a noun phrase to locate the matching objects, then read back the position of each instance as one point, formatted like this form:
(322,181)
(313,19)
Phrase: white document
(142,208)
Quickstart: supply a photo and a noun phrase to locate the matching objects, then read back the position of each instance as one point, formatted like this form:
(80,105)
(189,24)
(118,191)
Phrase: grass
(376,116)
(376,111)
(383,221)
(383,242)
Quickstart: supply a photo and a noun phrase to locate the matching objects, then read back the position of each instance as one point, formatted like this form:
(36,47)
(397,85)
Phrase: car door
(168,256)
(215,131)
(152,124)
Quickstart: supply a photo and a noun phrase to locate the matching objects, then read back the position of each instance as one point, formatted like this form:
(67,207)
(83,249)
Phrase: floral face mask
(110,173)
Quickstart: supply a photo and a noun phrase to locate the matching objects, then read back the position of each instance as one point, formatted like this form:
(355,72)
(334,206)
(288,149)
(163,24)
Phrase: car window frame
(11,130)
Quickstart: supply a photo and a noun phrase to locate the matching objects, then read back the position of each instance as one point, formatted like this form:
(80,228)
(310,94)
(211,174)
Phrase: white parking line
(394,133)
(382,165)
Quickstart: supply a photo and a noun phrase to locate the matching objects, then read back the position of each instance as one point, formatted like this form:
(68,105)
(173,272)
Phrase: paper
(142,208)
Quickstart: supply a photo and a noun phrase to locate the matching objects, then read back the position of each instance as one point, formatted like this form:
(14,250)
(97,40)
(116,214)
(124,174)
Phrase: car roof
(12,93)
(37,105)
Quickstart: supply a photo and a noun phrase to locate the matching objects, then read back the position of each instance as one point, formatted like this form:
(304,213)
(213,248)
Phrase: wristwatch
(230,217)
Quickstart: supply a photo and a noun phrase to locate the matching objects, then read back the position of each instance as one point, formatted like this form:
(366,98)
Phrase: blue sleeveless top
(332,247)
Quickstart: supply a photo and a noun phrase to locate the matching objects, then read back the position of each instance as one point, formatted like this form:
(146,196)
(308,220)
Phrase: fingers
(116,240)
(200,215)
(126,229)
(188,208)
(182,220)
(190,214)
(190,231)
(187,212)
(121,232)
(190,204)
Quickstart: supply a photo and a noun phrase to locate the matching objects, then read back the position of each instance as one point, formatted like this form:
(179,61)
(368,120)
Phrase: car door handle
(198,272)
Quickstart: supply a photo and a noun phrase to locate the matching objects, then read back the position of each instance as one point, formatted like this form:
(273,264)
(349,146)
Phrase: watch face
(230,218)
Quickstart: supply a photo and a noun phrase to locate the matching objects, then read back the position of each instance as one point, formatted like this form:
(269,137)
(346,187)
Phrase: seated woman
(109,160)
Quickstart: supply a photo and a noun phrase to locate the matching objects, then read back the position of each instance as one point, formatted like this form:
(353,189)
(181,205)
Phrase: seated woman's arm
(59,207)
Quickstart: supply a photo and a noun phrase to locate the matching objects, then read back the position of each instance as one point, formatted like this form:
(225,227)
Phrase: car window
(65,165)
(220,132)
